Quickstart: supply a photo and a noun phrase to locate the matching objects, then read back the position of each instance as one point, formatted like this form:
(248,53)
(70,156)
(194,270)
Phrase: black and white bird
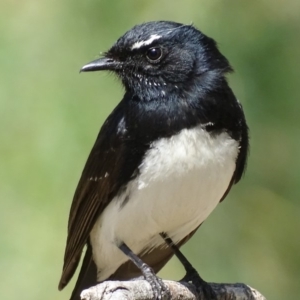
(165,157)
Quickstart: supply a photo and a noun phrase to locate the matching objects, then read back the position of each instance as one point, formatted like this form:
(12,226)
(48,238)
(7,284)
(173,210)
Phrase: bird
(164,158)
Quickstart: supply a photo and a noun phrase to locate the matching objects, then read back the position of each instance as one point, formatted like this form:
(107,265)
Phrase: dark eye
(154,54)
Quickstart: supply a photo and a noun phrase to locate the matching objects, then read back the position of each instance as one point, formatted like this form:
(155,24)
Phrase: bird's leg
(190,270)
(160,290)
(191,273)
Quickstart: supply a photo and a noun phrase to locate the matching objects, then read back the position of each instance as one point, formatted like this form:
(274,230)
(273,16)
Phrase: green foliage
(50,117)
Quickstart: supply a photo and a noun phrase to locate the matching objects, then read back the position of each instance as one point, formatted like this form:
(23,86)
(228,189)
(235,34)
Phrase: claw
(160,290)
(201,285)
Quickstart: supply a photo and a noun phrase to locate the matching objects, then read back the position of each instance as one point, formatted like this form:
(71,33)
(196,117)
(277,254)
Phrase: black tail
(87,276)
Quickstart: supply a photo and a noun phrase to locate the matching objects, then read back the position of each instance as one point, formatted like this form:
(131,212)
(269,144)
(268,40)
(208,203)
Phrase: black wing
(110,165)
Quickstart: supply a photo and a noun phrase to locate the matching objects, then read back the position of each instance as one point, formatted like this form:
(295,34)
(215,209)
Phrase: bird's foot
(202,287)
(160,290)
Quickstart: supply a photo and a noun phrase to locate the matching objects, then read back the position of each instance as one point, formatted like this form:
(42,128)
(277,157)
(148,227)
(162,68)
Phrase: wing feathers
(94,191)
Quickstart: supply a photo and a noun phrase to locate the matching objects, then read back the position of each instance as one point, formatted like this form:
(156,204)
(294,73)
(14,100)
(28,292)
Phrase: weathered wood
(141,290)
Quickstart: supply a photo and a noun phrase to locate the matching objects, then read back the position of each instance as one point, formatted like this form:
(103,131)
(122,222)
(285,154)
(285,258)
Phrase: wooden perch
(141,290)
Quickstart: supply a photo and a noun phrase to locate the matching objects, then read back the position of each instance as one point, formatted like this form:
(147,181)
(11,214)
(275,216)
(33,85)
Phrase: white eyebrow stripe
(152,38)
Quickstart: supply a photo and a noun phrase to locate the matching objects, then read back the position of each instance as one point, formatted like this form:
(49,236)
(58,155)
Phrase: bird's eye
(154,54)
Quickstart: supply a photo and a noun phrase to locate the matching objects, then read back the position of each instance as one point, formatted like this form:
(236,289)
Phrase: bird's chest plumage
(181,180)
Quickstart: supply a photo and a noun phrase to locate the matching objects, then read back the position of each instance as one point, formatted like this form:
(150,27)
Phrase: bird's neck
(182,107)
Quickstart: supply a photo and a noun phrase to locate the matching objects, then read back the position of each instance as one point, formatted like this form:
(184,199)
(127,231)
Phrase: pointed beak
(100,64)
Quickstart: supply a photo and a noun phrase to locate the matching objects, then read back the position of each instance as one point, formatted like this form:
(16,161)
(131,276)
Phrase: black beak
(99,64)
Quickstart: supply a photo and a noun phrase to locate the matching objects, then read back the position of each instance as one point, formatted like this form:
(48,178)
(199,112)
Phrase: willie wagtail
(164,158)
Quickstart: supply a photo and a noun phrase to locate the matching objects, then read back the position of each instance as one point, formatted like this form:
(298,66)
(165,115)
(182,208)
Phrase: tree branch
(141,290)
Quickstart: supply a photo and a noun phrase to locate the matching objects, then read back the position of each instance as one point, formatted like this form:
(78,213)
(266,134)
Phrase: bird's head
(156,58)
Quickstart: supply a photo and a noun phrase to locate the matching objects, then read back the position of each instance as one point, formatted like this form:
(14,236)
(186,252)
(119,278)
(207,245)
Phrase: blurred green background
(50,116)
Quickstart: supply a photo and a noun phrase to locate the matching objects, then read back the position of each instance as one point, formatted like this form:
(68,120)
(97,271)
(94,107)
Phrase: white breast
(182,179)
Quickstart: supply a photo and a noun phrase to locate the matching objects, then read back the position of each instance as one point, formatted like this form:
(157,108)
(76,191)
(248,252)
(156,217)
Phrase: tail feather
(87,276)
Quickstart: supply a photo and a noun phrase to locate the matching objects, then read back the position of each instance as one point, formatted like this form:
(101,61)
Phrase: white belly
(181,181)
